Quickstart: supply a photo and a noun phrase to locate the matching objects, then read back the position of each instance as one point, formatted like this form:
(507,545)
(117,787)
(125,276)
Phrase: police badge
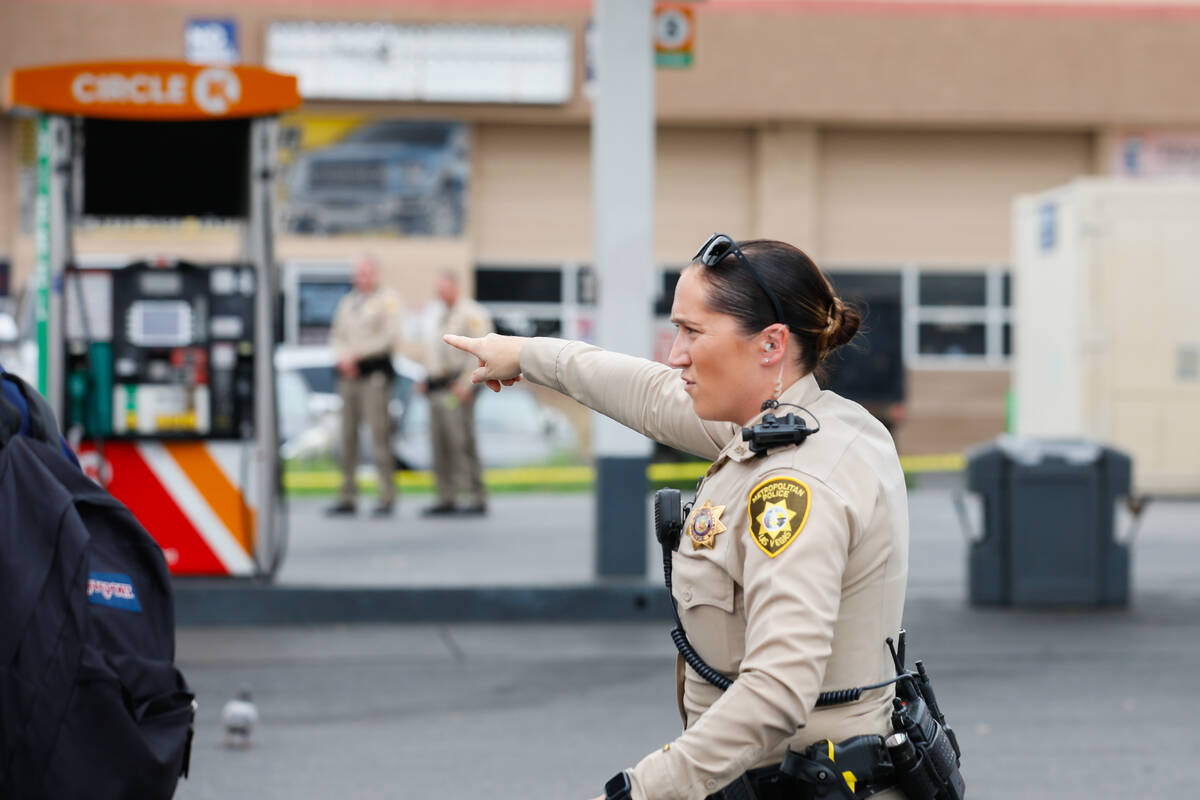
(778,509)
(706,524)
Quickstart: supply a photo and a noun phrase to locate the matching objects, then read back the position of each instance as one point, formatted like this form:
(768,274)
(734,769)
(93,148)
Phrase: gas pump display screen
(160,323)
(166,169)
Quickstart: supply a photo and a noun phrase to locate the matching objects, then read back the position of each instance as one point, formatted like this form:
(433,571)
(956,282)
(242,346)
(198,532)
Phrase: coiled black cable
(693,659)
(680,639)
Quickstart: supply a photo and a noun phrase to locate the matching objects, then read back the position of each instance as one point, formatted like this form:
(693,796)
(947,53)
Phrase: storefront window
(666,296)
(516,285)
(533,300)
(957,318)
(953,289)
(952,339)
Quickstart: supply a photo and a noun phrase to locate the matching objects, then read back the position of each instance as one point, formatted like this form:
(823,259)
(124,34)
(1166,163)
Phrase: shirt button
(710,784)
(687,594)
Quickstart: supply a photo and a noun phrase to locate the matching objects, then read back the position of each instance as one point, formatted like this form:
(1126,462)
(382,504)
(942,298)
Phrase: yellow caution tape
(946,462)
(551,477)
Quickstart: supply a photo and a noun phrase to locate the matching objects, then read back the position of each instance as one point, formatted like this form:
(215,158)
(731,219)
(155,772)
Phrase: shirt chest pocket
(373,319)
(710,610)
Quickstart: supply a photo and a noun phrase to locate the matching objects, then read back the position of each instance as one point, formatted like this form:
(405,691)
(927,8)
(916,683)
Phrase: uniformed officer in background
(794,557)
(456,463)
(366,329)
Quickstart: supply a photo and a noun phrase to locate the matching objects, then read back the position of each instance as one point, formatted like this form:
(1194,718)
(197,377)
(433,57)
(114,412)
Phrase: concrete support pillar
(259,249)
(623,192)
(54,244)
(9,211)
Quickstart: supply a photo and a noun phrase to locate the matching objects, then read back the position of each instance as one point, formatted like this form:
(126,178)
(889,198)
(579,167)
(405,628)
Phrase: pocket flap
(697,581)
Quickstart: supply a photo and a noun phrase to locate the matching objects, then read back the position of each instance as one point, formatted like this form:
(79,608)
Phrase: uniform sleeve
(339,333)
(792,605)
(636,392)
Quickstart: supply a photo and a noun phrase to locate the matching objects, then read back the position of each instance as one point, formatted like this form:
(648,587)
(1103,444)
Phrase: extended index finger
(463,343)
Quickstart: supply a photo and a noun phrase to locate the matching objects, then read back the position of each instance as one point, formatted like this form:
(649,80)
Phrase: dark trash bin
(1048,524)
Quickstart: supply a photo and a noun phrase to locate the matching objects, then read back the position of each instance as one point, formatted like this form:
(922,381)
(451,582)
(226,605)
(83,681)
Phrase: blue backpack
(91,704)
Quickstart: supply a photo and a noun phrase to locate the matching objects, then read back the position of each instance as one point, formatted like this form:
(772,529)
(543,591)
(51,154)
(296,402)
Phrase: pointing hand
(499,358)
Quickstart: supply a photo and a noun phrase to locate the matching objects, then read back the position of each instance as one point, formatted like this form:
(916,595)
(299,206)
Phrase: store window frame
(573,311)
(994,315)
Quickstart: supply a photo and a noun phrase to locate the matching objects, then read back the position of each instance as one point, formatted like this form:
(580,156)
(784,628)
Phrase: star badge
(706,524)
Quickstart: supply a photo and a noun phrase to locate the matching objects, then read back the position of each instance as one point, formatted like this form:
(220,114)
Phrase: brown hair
(817,317)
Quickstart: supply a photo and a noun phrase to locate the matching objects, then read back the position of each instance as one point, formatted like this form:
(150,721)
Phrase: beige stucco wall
(933,198)
(786,175)
(703,183)
(530,194)
(409,264)
(949,410)
(872,134)
(852,198)
(916,63)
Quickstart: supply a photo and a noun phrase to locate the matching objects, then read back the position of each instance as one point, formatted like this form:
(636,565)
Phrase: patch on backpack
(112,589)
(778,509)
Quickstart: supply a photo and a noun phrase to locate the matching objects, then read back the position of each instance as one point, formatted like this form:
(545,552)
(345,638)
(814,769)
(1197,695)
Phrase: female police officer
(793,562)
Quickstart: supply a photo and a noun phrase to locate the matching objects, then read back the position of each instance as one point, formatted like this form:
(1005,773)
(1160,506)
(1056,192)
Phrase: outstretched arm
(640,394)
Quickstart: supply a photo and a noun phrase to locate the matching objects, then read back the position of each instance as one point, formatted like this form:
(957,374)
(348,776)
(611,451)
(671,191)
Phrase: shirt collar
(801,393)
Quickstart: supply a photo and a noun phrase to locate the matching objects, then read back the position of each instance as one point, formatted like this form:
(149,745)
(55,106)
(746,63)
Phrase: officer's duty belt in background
(438,384)
(860,768)
(373,364)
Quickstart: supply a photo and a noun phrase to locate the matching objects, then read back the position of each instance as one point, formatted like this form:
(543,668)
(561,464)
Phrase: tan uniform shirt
(366,325)
(790,574)
(465,318)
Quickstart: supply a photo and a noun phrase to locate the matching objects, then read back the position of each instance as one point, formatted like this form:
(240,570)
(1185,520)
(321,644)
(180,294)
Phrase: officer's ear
(774,339)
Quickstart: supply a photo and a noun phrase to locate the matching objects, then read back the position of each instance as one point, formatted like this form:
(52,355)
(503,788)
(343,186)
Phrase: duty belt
(373,364)
(851,770)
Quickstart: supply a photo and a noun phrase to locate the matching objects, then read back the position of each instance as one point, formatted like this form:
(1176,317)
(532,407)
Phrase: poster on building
(211,41)
(432,63)
(1157,154)
(371,175)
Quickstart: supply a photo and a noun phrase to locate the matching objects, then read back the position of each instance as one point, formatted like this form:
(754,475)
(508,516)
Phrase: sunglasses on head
(717,247)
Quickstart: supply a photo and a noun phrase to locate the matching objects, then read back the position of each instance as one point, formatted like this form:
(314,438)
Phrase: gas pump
(174,358)
(161,370)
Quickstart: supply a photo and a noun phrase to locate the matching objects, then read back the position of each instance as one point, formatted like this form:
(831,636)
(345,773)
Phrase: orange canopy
(152,90)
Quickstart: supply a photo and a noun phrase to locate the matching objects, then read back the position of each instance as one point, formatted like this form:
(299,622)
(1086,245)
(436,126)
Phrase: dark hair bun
(851,319)
(840,327)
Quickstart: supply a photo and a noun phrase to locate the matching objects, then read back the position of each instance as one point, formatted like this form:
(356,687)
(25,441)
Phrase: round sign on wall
(674,31)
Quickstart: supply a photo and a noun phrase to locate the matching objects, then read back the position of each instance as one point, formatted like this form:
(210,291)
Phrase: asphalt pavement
(1047,704)
(539,539)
